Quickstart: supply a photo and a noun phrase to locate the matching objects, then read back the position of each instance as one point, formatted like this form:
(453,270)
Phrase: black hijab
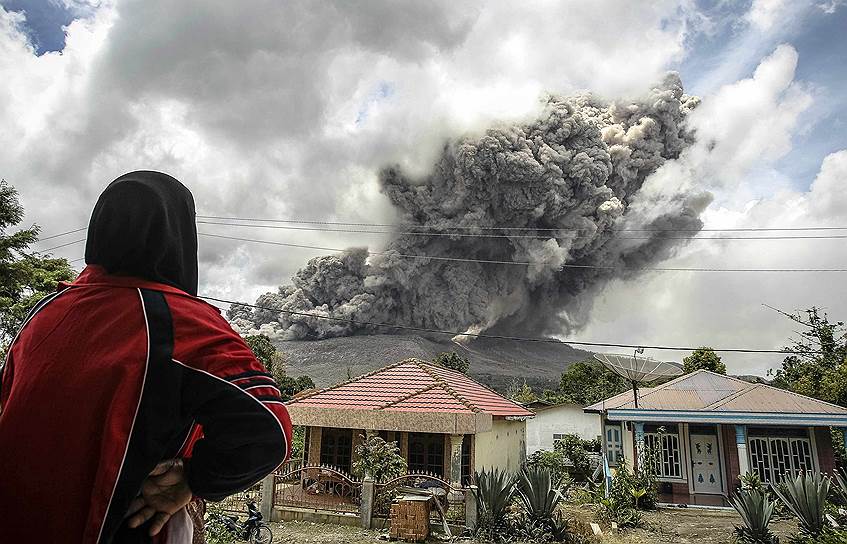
(143,226)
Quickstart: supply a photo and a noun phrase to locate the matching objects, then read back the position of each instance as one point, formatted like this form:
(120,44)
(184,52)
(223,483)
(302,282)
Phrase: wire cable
(462,227)
(509,236)
(61,234)
(49,249)
(527,263)
(497,336)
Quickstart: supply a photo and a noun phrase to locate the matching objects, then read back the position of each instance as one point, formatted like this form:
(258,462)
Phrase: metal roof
(708,396)
(413,385)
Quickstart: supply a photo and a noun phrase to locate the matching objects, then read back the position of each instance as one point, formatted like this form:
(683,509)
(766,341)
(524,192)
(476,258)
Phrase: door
(705,464)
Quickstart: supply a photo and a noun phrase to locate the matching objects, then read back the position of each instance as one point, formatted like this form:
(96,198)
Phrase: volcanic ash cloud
(577,169)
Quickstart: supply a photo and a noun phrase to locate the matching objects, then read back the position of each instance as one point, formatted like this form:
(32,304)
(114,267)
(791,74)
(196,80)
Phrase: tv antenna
(637,369)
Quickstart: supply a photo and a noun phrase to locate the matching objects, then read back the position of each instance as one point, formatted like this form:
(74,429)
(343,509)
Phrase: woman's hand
(164,492)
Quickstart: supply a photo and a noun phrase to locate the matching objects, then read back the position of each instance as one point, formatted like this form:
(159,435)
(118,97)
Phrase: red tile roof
(413,386)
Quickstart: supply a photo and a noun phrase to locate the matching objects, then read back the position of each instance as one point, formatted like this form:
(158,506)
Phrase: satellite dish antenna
(637,369)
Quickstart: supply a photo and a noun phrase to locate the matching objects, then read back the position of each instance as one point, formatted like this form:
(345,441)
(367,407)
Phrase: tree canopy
(585,383)
(25,275)
(274,362)
(817,365)
(453,361)
(703,358)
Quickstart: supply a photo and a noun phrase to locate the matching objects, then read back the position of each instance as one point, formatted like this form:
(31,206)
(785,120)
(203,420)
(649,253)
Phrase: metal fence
(238,503)
(317,487)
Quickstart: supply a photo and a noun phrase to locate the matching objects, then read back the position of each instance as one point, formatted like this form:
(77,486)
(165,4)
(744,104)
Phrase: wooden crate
(410,519)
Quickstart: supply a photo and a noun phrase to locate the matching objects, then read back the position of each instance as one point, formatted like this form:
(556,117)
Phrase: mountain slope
(493,362)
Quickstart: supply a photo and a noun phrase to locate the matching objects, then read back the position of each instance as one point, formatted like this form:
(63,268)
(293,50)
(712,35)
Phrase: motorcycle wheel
(261,535)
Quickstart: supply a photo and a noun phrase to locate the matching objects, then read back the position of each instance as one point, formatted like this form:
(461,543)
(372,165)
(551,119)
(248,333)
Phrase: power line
(464,227)
(509,236)
(497,336)
(526,263)
(61,234)
(49,249)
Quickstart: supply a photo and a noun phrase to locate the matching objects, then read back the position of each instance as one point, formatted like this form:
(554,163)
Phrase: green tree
(274,362)
(453,361)
(703,358)
(521,392)
(587,382)
(378,459)
(25,276)
(817,364)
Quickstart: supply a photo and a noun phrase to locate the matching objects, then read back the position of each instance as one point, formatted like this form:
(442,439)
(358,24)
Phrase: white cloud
(764,14)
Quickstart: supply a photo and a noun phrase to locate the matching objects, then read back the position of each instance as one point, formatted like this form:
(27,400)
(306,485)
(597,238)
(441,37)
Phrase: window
(337,448)
(614,444)
(466,459)
(426,453)
(772,457)
(557,437)
(668,462)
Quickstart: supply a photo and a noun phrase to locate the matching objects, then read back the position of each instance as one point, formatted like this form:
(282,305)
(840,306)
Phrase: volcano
(494,362)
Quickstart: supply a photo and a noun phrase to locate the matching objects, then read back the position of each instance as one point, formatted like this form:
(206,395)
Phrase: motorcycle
(254,530)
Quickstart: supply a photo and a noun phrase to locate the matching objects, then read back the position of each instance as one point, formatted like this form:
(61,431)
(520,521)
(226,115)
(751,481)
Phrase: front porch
(444,455)
(700,463)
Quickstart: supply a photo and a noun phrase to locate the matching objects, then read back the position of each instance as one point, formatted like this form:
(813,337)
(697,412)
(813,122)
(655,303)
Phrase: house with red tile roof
(443,421)
(707,429)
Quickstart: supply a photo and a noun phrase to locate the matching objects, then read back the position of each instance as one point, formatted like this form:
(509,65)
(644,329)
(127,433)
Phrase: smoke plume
(574,174)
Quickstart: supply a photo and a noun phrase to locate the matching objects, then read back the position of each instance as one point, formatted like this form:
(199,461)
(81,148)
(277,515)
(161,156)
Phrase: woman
(124,395)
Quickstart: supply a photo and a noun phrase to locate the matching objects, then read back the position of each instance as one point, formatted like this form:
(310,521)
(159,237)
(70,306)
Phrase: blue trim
(741,434)
(695,416)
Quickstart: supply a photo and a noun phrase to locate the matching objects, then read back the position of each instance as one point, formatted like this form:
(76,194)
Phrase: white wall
(561,419)
(502,447)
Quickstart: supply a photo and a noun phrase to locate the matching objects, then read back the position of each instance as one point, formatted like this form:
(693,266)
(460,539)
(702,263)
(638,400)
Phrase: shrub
(576,451)
(553,461)
(805,496)
(756,511)
(379,459)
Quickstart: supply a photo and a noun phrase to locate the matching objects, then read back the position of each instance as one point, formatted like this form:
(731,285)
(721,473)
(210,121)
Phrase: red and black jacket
(108,377)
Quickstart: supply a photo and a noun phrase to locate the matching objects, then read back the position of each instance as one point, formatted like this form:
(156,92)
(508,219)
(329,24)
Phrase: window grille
(773,457)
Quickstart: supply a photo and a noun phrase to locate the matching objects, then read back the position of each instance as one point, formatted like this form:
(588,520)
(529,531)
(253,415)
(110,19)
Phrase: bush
(553,461)
(379,459)
(576,450)
(494,492)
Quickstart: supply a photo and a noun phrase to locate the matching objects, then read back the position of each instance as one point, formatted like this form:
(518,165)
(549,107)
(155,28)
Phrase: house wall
(562,419)
(826,452)
(503,447)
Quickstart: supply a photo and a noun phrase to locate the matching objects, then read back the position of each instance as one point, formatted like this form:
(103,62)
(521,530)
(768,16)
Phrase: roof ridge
(351,380)
(732,396)
(480,384)
(444,385)
(398,400)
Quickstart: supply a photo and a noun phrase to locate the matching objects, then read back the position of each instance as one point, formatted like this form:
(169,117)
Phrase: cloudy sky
(287,110)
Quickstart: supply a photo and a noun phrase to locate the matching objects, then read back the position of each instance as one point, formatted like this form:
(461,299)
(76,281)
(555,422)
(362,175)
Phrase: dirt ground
(665,526)
(683,526)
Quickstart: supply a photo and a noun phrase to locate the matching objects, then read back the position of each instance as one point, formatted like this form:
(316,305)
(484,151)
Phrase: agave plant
(537,493)
(755,510)
(805,496)
(841,482)
(541,496)
(494,493)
